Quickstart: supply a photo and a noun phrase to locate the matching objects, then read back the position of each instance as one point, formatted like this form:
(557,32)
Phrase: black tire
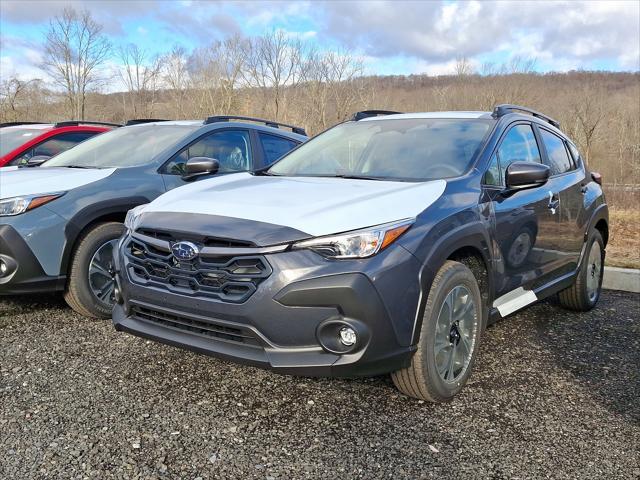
(421,379)
(578,297)
(78,293)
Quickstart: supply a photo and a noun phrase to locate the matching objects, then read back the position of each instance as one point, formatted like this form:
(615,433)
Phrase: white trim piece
(514,300)
(42,180)
(317,206)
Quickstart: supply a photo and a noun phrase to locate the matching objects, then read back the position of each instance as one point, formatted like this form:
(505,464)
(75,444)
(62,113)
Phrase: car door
(525,222)
(567,181)
(232,148)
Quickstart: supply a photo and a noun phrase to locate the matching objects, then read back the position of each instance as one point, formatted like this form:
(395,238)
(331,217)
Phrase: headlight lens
(359,243)
(17,205)
(132,217)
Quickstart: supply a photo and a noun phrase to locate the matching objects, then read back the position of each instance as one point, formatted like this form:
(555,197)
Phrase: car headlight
(132,217)
(358,243)
(17,205)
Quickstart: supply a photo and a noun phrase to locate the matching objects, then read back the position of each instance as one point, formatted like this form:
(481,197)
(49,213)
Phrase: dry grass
(624,240)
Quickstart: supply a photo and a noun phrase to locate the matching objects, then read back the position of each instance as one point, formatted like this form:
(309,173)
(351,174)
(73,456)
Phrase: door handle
(554,202)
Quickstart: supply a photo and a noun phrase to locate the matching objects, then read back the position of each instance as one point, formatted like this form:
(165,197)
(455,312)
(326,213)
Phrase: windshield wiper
(358,177)
(79,166)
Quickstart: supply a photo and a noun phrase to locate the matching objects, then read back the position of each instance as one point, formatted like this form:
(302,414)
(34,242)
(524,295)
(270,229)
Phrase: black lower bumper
(318,303)
(22,271)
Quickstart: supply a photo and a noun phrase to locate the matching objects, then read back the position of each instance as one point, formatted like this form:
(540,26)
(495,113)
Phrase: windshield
(11,138)
(122,147)
(415,149)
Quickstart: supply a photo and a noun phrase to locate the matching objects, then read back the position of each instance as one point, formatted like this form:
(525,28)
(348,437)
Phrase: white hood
(39,180)
(313,205)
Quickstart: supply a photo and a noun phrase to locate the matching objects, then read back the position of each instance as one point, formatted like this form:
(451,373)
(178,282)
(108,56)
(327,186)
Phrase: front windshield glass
(122,147)
(416,149)
(11,138)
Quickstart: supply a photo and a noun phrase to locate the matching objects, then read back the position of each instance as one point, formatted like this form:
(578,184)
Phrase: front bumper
(23,273)
(284,325)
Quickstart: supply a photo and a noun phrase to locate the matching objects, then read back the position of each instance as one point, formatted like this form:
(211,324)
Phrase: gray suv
(59,223)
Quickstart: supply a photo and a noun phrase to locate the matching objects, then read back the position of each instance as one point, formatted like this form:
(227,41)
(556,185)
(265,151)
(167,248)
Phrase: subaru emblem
(184,251)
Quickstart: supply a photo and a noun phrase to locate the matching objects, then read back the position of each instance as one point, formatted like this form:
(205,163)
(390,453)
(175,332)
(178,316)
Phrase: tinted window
(231,148)
(575,153)
(558,160)
(275,147)
(60,143)
(415,149)
(519,145)
(493,175)
(123,147)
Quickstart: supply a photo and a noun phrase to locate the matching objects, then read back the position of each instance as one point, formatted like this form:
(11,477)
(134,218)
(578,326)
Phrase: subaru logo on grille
(184,250)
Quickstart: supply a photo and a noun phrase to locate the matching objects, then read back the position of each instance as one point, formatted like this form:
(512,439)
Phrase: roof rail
(138,121)
(503,109)
(12,124)
(371,113)
(75,123)
(268,123)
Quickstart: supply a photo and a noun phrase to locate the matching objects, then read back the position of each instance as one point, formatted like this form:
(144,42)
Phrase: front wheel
(90,287)
(585,291)
(449,338)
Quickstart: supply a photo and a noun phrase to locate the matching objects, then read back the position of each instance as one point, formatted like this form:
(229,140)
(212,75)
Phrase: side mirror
(37,160)
(522,175)
(198,166)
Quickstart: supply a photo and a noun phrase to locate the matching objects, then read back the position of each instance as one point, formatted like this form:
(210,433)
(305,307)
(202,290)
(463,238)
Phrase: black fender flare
(601,212)
(470,235)
(89,214)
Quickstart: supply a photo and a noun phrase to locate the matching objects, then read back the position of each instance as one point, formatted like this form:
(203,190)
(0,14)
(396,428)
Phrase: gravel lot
(554,395)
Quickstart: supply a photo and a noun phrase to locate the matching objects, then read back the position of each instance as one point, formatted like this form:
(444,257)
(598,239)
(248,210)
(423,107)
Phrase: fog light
(3,267)
(117,295)
(348,336)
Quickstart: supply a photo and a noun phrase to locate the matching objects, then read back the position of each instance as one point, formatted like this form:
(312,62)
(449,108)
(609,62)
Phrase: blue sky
(393,37)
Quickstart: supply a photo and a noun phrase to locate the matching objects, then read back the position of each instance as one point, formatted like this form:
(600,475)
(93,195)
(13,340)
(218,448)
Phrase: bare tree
(274,65)
(140,75)
(74,51)
(176,79)
(463,66)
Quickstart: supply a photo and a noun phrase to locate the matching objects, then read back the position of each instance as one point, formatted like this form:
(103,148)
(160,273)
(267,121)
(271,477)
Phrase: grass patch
(623,249)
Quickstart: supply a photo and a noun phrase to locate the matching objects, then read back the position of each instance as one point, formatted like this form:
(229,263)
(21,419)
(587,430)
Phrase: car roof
(449,114)
(30,126)
(195,124)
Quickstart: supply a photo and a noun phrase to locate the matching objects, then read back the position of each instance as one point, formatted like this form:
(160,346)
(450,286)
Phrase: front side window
(123,147)
(232,149)
(518,145)
(558,157)
(415,149)
(275,147)
(54,146)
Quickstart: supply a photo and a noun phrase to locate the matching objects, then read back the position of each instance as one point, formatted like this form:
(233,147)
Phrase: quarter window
(275,147)
(230,147)
(558,157)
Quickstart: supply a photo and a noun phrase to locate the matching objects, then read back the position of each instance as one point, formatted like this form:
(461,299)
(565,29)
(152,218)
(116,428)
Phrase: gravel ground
(554,395)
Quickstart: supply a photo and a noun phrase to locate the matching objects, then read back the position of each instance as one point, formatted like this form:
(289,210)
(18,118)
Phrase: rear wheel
(585,291)
(449,337)
(90,286)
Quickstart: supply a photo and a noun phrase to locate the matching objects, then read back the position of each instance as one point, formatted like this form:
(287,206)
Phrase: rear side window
(558,157)
(275,147)
(518,145)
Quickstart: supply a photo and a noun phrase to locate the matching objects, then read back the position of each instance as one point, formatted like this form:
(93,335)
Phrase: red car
(21,142)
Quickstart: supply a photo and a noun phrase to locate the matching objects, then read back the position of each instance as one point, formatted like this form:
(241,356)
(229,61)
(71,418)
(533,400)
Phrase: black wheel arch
(467,243)
(104,211)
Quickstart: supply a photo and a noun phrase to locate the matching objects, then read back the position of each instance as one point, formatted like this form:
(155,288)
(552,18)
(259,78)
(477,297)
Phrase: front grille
(228,278)
(201,327)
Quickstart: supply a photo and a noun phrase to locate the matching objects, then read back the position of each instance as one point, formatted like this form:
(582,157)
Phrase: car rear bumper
(291,323)
(23,273)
